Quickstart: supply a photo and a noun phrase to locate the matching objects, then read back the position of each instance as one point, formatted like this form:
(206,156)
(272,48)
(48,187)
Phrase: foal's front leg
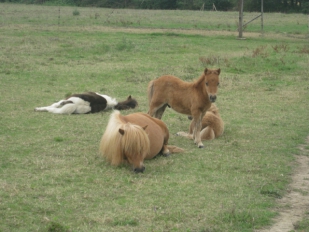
(197,130)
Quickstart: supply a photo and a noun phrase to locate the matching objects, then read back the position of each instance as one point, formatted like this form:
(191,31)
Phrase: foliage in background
(286,6)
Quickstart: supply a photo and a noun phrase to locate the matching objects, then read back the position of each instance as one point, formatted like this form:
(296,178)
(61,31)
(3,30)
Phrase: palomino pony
(212,125)
(88,102)
(190,98)
(133,138)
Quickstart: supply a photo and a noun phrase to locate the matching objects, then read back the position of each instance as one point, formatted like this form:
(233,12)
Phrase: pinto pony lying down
(190,98)
(88,102)
(133,138)
(212,125)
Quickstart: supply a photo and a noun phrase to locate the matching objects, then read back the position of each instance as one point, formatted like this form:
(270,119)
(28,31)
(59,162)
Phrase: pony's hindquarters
(150,91)
(156,101)
(160,94)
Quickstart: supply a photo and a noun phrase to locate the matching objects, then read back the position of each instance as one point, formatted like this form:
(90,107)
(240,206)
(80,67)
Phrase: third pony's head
(212,82)
(135,145)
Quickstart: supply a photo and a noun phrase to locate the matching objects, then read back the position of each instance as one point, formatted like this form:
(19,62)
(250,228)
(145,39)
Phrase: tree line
(284,6)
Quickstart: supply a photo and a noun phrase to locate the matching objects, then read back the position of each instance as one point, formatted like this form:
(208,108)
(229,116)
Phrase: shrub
(76,12)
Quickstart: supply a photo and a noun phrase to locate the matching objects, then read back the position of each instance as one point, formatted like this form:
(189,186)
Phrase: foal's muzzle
(212,98)
(138,170)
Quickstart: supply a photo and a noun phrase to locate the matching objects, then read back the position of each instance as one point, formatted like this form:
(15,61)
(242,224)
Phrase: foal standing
(190,98)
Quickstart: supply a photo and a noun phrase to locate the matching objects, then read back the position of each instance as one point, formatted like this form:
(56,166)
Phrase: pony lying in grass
(191,98)
(212,125)
(133,138)
(88,102)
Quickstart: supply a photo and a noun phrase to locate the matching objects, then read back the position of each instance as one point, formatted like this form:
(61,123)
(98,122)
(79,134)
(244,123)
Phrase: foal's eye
(207,83)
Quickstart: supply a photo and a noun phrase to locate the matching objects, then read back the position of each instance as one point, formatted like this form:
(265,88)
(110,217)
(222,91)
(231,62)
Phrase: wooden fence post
(240,24)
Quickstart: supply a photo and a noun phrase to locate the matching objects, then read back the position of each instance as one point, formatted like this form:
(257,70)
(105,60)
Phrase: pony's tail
(129,103)
(150,91)
(174,149)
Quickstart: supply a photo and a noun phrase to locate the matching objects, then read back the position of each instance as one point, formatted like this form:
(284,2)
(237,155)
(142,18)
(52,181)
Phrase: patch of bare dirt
(295,204)
(157,30)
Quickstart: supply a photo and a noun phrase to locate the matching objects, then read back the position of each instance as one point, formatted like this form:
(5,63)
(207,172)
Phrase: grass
(52,178)
(278,23)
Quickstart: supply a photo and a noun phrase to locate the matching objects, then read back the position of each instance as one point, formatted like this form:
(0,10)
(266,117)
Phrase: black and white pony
(88,102)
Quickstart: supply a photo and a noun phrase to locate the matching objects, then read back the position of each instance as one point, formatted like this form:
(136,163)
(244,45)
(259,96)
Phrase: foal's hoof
(200,145)
(166,155)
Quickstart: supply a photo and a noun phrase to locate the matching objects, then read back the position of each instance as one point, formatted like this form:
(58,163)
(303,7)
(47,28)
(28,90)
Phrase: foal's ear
(218,71)
(145,127)
(121,131)
(206,71)
(129,97)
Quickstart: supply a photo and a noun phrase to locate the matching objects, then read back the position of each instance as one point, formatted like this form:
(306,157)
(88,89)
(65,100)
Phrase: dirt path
(295,204)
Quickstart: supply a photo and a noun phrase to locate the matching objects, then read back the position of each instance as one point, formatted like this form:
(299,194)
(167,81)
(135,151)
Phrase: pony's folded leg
(207,133)
(58,104)
(185,134)
(165,151)
(174,149)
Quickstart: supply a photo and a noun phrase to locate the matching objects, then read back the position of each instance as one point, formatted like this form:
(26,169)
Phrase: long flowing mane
(115,146)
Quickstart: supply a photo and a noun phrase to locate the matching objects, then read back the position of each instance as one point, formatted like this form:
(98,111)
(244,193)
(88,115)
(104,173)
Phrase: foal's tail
(174,149)
(150,91)
(130,103)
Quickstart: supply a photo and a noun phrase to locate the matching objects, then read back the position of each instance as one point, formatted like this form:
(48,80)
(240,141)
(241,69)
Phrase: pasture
(52,177)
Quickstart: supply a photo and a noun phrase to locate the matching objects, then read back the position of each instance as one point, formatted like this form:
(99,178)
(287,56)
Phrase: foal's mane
(115,147)
(199,81)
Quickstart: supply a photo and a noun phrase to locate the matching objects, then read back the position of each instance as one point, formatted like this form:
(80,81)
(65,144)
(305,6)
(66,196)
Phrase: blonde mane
(115,147)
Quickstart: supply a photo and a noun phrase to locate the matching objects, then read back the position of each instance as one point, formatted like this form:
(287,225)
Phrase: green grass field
(51,175)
